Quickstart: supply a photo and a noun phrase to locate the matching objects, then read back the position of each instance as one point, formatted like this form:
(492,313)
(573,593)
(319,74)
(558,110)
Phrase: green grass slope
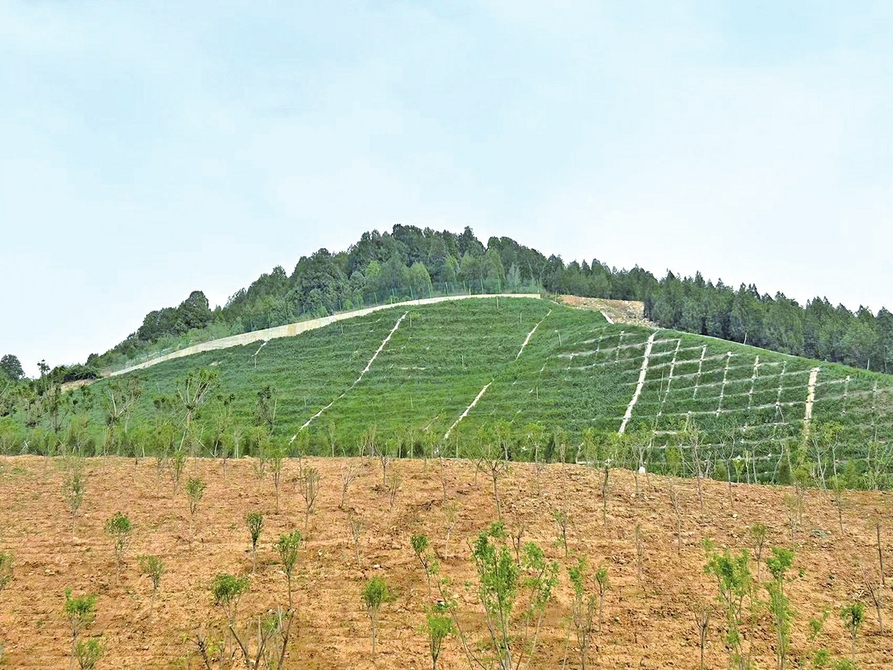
(576,372)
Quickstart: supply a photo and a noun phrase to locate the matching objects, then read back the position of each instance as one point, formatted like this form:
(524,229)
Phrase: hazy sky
(148,149)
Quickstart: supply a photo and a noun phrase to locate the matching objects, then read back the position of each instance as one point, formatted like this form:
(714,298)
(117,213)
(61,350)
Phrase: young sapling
(356,529)
(640,554)
(308,487)
(74,487)
(584,608)
(779,563)
(119,528)
(394,482)
(601,579)
(420,544)
(288,547)
(853,615)
(758,533)
(700,611)
(375,594)
(677,511)
(255,523)
(438,626)
(227,591)
(734,581)
(794,503)
(876,521)
(88,653)
(152,567)
(450,517)
(503,584)
(178,464)
(561,520)
(348,474)
(80,613)
(276,467)
(516,535)
(384,460)
(195,491)
(875,592)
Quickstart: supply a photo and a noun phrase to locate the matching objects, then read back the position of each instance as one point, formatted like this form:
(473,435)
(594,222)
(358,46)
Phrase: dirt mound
(648,623)
(618,311)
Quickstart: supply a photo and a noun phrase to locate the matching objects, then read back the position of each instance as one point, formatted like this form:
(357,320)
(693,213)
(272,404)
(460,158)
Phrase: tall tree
(11,367)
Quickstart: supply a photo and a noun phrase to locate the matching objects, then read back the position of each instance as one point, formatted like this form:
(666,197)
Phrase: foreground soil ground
(648,624)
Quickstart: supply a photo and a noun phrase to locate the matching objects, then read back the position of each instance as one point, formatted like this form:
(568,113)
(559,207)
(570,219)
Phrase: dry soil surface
(619,311)
(648,622)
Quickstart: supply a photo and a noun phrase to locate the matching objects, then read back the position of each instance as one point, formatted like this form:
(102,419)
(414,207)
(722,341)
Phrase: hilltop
(410,263)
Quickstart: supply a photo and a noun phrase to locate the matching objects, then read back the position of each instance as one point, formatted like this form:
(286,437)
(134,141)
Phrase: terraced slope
(444,370)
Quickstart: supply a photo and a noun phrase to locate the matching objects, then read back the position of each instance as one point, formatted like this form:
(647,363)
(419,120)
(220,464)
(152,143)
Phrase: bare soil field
(619,311)
(648,622)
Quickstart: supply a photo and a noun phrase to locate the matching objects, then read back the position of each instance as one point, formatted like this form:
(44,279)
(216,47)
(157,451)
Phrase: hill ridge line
(293,329)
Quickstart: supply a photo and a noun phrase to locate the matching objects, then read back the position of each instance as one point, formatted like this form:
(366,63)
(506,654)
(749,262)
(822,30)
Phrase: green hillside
(576,385)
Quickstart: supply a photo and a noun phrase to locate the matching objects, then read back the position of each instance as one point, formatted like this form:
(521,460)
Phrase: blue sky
(149,149)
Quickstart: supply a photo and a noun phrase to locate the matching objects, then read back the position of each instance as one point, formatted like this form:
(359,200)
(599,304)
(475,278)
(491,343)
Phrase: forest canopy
(410,262)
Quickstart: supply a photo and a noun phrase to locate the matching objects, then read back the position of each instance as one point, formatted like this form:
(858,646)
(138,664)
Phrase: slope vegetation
(436,374)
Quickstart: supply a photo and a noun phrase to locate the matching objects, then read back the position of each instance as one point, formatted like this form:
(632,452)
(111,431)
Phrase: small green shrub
(375,594)
(88,652)
(561,520)
(853,615)
(153,567)
(119,528)
(178,464)
(503,583)
(584,608)
(779,563)
(195,491)
(288,547)
(438,626)
(80,613)
(227,591)
(427,559)
(734,581)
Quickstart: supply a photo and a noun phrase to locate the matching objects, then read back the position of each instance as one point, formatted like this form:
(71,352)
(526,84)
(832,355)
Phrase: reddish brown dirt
(647,625)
